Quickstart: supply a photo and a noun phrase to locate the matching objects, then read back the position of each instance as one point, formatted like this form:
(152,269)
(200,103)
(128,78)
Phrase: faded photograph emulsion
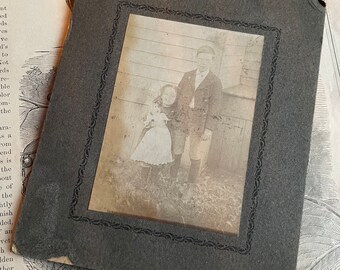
(177,137)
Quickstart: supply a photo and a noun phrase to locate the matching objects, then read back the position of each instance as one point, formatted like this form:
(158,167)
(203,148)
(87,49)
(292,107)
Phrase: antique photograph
(177,137)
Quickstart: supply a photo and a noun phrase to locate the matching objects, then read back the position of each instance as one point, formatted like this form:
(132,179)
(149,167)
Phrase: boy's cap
(205,49)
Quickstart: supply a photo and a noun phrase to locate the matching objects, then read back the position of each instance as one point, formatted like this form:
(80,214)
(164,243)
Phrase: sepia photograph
(177,136)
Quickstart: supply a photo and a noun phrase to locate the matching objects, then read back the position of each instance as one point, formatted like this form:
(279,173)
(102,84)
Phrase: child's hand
(149,122)
(206,135)
(146,124)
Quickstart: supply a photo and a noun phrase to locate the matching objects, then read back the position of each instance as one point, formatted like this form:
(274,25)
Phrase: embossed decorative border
(265,121)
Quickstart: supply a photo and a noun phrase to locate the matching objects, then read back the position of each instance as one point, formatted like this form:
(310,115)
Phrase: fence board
(154,60)
(166,75)
(166,38)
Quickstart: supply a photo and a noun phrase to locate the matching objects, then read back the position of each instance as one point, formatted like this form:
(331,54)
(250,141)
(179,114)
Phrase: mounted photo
(177,137)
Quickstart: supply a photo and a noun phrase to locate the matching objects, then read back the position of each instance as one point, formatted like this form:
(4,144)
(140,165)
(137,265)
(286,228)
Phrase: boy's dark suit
(193,121)
(207,99)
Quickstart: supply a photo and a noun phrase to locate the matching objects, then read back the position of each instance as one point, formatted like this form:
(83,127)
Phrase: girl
(154,149)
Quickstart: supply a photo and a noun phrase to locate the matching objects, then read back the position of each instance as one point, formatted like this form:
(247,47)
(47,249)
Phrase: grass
(212,202)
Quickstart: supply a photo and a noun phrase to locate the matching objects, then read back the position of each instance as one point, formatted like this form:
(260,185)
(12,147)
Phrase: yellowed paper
(30,34)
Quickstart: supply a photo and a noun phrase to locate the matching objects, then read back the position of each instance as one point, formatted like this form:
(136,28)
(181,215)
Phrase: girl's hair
(158,99)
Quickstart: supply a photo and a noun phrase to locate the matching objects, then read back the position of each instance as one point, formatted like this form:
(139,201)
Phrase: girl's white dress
(155,146)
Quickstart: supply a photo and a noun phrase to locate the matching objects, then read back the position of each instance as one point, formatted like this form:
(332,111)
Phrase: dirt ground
(214,201)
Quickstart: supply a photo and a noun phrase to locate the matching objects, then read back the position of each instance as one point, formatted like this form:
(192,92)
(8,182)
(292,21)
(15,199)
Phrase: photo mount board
(55,221)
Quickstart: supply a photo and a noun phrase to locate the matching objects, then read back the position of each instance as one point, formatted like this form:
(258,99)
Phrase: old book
(177,137)
(31,35)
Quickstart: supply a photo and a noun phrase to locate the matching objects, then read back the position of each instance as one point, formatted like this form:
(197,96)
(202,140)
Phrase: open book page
(319,246)
(31,33)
